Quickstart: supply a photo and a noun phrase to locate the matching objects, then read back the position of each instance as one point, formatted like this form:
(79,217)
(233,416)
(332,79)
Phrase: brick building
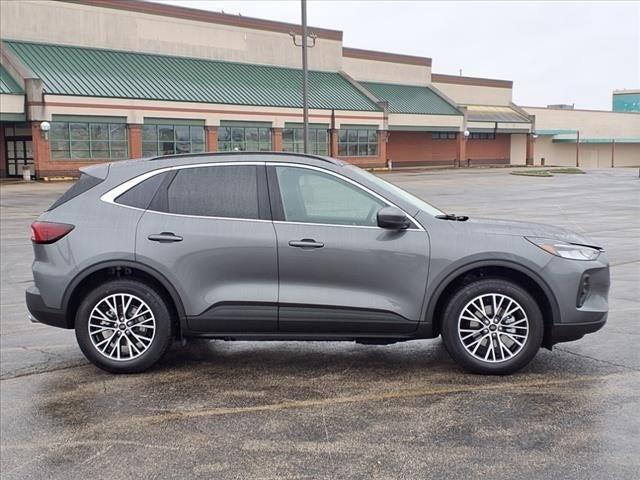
(118,79)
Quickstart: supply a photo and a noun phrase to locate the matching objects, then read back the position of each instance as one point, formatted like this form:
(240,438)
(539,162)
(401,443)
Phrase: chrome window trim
(115,192)
(111,195)
(203,216)
(284,222)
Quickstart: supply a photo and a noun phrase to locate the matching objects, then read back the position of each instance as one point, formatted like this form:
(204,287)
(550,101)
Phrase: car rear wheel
(123,326)
(492,326)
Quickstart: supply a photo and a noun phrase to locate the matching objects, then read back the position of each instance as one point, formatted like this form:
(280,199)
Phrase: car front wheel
(492,326)
(123,326)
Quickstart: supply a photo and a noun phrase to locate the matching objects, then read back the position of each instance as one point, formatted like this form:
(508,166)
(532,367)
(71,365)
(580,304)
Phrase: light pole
(305,79)
(305,72)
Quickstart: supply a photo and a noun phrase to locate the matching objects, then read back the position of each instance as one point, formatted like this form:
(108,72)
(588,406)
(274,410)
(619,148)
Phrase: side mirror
(393,218)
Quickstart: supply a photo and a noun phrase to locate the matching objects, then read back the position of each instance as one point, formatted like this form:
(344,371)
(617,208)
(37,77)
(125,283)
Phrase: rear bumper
(43,314)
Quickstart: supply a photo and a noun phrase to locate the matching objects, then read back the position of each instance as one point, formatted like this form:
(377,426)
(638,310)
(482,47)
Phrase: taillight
(49,232)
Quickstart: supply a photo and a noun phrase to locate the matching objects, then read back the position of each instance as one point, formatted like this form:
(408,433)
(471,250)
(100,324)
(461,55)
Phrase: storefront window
(293,140)
(443,135)
(89,141)
(483,136)
(357,142)
(240,138)
(171,139)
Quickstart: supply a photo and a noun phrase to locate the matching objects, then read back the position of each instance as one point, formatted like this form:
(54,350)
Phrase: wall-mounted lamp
(535,135)
(44,130)
(466,134)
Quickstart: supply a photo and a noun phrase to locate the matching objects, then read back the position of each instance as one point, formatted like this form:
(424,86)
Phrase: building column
(529,155)
(41,149)
(211,133)
(3,148)
(461,151)
(135,140)
(333,142)
(276,139)
(383,135)
(613,152)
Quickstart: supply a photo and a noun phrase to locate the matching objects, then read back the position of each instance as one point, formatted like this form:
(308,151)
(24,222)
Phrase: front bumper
(43,314)
(580,313)
(574,331)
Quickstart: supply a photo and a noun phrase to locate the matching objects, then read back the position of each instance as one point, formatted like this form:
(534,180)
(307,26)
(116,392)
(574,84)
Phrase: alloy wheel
(121,327)
(493,328)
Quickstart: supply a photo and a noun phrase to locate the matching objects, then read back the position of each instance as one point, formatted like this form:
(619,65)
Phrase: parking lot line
(373,397)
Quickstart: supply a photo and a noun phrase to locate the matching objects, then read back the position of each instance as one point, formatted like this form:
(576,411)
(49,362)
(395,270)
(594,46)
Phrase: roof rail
(216,154)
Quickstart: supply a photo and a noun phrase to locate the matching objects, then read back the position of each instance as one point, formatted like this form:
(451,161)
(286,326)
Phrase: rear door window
(229,191)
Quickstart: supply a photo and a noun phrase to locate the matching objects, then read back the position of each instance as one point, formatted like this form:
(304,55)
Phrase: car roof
(197,157)
(123,169)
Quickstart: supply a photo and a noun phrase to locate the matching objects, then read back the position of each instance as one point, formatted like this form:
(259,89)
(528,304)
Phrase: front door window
(310,196)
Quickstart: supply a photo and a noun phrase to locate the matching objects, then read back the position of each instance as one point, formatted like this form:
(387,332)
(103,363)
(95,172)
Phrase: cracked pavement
(289,410)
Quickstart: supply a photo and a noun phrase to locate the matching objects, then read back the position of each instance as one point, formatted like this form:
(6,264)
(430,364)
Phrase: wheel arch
(100,272)
(520,274)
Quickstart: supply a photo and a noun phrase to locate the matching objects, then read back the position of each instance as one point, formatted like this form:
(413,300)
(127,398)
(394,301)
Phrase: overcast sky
(555,52)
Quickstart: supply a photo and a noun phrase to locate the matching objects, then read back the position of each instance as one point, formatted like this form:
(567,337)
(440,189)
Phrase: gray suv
(276,246)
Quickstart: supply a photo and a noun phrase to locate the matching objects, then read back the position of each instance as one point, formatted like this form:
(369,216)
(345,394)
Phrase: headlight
(566,249)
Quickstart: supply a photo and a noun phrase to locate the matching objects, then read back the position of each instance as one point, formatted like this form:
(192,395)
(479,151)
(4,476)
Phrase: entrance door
(18,149)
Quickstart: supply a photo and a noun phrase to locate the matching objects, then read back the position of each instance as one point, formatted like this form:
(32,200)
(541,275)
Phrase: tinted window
(225,191)
(314,197)
(84,183)
(141,195)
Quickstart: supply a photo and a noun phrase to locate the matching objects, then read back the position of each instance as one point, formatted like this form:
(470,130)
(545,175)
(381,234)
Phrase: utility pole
(305,78)
(305,72)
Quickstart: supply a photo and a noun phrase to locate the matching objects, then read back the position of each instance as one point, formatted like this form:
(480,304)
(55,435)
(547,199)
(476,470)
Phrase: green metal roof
(7,83)
(70,70)
(411,99)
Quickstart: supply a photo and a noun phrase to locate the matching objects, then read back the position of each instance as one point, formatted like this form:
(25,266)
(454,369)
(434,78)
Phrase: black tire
(454,343)
(162,337)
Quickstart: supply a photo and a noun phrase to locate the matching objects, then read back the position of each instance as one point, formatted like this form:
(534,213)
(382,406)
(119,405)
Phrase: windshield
(390,187)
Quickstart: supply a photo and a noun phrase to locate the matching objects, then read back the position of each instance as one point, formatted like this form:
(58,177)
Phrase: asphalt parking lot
(290,410)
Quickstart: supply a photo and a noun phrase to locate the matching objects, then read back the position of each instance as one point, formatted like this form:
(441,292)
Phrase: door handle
(165,237)
(306,243)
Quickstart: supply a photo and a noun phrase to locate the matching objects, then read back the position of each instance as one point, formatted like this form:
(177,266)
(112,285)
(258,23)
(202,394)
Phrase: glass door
(19,150)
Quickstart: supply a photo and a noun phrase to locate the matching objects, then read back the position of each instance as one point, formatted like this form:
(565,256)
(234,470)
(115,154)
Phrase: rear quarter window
(141,195)
(85,183)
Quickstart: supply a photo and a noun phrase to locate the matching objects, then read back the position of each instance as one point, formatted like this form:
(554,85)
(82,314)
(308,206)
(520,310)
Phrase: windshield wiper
(453,216)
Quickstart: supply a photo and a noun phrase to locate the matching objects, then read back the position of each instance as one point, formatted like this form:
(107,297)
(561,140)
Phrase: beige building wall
(92,26)
(136,111)
(590,123)
(413,120)
(518,149)
(11,103)
(475,94)
(386,72)
(591,155)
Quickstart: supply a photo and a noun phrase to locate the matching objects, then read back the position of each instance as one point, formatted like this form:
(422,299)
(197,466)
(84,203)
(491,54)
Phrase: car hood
(492,226)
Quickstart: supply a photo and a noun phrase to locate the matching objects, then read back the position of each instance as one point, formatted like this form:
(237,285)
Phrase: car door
(209,231)
(339,272)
